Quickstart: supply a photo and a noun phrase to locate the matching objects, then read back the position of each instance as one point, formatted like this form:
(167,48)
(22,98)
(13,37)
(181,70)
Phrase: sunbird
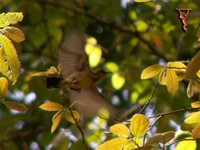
(79,79)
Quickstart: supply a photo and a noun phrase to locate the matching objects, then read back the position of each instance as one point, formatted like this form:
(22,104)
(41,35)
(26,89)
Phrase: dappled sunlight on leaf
(112,67)
(194,118)
(139,125)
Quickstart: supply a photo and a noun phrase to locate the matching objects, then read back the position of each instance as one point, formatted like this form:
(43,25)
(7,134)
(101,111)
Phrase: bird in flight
(79,79)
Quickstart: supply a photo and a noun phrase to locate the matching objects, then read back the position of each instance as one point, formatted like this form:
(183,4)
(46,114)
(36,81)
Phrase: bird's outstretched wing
(72,56)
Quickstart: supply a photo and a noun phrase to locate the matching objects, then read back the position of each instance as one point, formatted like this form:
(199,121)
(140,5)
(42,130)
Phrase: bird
(79,79)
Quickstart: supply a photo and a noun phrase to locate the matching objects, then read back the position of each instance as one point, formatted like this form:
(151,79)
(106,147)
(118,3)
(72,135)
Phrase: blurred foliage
(130,37)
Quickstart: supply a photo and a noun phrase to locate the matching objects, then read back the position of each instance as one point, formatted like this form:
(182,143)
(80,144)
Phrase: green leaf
(10,18)
(117,81)
(9,62)
(139,125)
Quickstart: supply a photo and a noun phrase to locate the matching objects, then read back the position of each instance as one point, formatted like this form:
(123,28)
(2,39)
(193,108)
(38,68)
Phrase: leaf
(186,145)
(172,81)
(163,77)
(70,118)
(193,66)
(10,18)
(14,34)
(196,131)
(161,138)
(195,104)
(112,67)
(3,86)
(139,125)
(51,106)
(151,71)
(114,144)
(141,1)
(120,129)
(15,106)
(56,120)
(194,118)
(117,81)
(9,62)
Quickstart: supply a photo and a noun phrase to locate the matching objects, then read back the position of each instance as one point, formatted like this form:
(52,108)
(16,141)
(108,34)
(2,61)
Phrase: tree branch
(106,23)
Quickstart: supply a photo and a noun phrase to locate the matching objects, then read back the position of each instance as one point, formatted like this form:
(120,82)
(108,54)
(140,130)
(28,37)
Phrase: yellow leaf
(10,18)
(10,65)
(172,81)
(117,81)
(186,145)
(196,104)
(70,118)
(3,86)
(139,125)
(112,67)
(198,74)
(177,66)
(114,144)
(151,71)
(193,66)
(14,34)
(15,106)
(120,129)
(194,118)
(196,131)
(141,1)
(163,77)
(95,56)
(51,106)
(56,120)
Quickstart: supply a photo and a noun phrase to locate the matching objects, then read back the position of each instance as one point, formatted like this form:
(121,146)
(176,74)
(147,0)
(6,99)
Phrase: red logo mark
(183,13)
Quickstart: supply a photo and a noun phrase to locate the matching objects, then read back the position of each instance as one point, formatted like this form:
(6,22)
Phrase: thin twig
(76,122)
(152,95)
(104,22)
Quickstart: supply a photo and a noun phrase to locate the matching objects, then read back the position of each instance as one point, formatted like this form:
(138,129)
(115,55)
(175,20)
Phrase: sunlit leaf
(177,66)
(15,106)
(14,34)
(163,77)
(198,74)
(196,104)
(191,89)
(142,0)
(141,25)
(9,62)
(161,138)
(3,86)
(151,71)
(70,118)
(139,125)
(51,106)
(120,129)
(56,120)
(10,18)
(186,145)
(114,144)
(112,67)
(194,118)
(172,81)
(117,81)
(196,131)
(95,56)
(193,66)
